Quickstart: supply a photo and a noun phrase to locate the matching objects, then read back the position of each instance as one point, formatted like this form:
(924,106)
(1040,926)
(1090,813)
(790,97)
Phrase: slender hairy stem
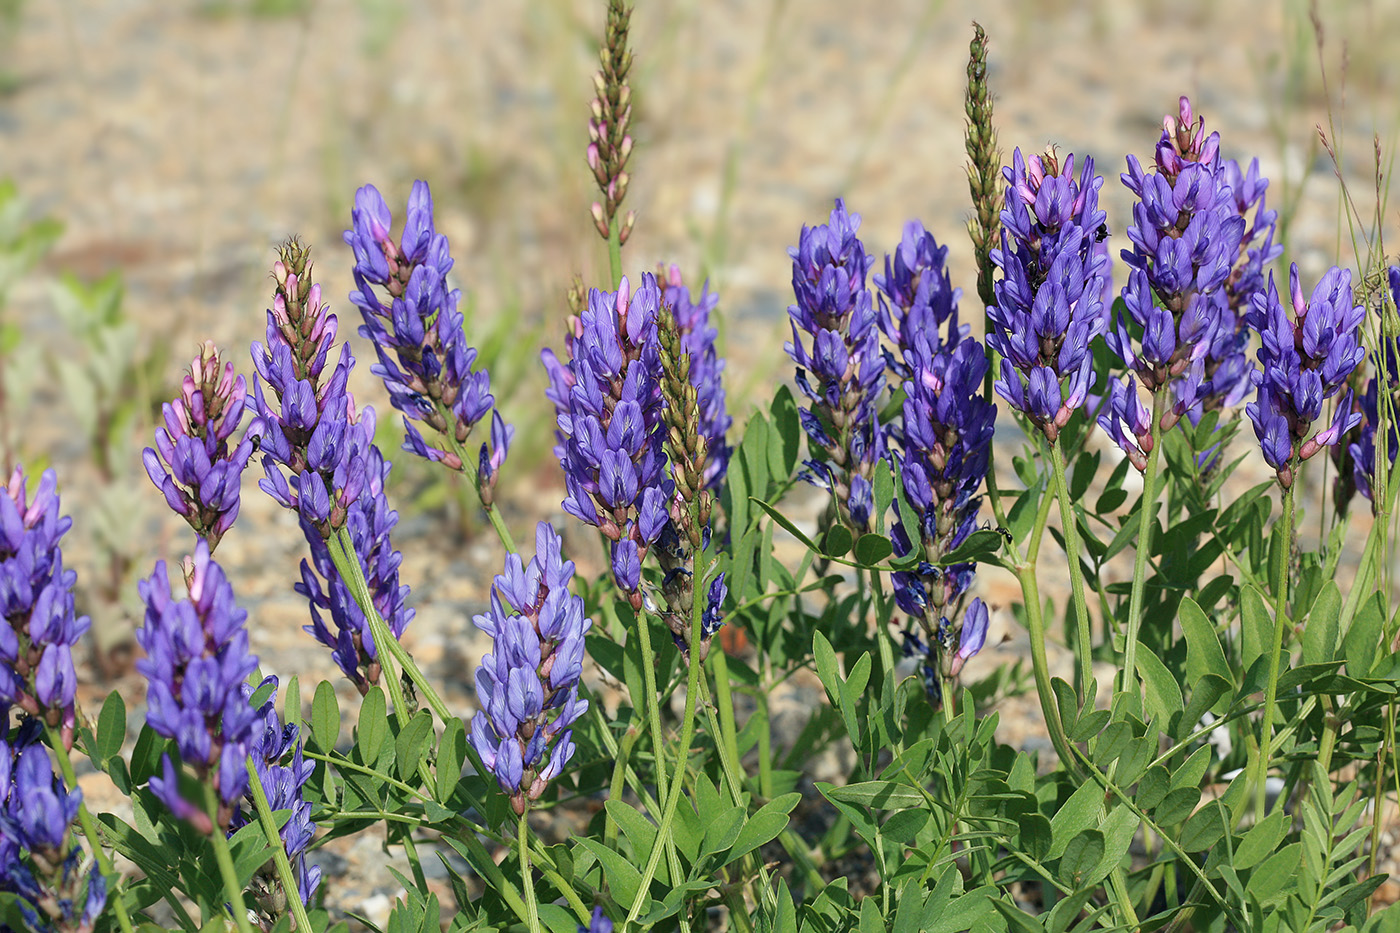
(522,836)
(885,640)
(469,469)
(89,825)
(1280,585)
(1144,547)
(1076,573)
(232,889)
(290,888)
(619,776)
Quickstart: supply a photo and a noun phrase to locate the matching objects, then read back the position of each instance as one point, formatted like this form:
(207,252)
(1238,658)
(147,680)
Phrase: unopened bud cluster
(609,144)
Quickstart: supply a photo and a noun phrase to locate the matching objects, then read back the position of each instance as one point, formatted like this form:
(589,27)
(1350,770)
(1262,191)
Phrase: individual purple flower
(598,923)
(277,756)
(197,660)
(322,463)
(40,859)
(418,332)
(1305,358)
(36,597)
(197,464)
(842,370)
(1050,298)
(528,686)
(706,367)
(612,431)
(1188,234)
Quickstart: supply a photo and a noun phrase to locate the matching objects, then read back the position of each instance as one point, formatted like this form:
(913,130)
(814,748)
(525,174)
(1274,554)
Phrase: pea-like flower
(197,660)
(1049,301)
(197,464)
(528,685)
(1305,358)
(36,597)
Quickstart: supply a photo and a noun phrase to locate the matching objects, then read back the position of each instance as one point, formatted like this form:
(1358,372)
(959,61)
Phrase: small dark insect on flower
(1005,533)
(1101,234)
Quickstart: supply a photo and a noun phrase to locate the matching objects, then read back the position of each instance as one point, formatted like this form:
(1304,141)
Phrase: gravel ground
(178,142)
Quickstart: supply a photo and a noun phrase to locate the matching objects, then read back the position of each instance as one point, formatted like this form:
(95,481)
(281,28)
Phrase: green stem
(615,252)
(232,889)
(687,733)
(279,851)
(89,825)
(884,638)
(1144,547)
(1076,574)
(1280,586)
(652,701)
(347,564)
(728,734)
(619,776)
(1035,626)
(472,474)
(522,836)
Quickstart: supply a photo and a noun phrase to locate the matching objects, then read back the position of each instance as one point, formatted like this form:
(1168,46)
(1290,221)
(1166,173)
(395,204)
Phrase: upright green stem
(469,469)
(653,704)
(522,836)
(729,741)
(615,252)
(232,889)
(89,825)
(883,638)
(290,888)
(1280,587)
(1035,626)
(1144,545)
(1076,573)
(672,798)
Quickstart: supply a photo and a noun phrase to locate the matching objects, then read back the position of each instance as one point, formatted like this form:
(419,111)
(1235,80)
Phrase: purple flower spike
(842,372)
(698,339)
(196,463)
(1305,358)
(528,686)
(916,295)
(611,427)
(1197,261)
(40,859)
(1050,298)
(283,771)
(36,597)
(322,463)
(196,662)
(418,333)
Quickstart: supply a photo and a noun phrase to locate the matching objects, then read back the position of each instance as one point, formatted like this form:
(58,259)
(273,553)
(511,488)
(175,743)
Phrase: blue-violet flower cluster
(612,430)
(322,463)
(528,685)
(40,860)
(424,358)
(1305,358)
(196,662)
(1049,301)
(196,464)
(842,372)
(36,597)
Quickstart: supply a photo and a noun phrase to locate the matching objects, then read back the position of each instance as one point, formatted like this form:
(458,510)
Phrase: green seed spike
(984,166)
